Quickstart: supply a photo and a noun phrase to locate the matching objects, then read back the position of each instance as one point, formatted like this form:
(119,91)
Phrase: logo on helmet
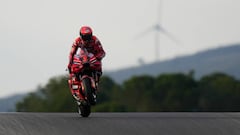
(87,31)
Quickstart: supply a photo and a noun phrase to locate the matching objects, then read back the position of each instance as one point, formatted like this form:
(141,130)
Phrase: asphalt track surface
(120,124)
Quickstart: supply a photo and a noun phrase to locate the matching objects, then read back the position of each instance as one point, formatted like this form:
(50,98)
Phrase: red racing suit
(93,46)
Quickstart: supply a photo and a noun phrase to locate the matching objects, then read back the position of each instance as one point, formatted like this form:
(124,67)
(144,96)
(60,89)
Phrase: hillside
(223,59)
(8,104)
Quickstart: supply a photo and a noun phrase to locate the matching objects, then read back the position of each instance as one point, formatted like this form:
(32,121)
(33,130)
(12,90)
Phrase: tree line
(165,92)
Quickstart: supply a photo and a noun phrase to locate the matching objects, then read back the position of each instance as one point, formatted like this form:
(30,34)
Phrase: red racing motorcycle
(83,80)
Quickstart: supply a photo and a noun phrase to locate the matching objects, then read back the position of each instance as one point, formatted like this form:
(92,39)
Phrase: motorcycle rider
(91,43)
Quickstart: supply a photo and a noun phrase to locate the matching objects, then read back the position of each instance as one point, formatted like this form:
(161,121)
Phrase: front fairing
(83,63)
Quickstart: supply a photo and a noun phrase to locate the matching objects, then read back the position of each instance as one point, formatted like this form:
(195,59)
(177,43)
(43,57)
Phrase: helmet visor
(86,37)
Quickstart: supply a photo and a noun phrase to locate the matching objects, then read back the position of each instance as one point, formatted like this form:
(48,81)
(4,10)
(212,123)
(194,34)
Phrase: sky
(36,35)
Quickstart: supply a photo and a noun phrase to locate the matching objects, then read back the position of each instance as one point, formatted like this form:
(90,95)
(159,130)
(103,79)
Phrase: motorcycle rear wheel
(84,110)
(89,91)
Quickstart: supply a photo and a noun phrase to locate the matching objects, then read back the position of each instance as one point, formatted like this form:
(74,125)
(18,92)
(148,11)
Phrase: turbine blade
(168,34)
(145,32)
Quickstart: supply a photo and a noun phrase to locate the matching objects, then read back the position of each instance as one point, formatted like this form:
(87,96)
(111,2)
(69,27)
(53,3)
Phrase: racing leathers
(92,46)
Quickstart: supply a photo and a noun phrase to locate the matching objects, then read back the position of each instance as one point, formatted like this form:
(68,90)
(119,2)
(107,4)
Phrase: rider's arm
(73,51)
(100,53)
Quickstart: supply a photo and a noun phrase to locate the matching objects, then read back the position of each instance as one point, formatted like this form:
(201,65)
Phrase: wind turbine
(157,28)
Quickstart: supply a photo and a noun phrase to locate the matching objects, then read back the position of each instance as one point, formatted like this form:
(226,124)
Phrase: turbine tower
(157,29)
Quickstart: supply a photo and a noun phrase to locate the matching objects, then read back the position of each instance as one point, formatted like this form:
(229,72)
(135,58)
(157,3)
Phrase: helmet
(86,33)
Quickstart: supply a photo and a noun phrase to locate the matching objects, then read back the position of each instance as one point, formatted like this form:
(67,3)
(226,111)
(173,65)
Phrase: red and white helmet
(86,33)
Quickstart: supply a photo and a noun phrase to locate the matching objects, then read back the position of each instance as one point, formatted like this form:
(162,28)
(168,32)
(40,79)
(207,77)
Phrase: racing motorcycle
(83,81)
